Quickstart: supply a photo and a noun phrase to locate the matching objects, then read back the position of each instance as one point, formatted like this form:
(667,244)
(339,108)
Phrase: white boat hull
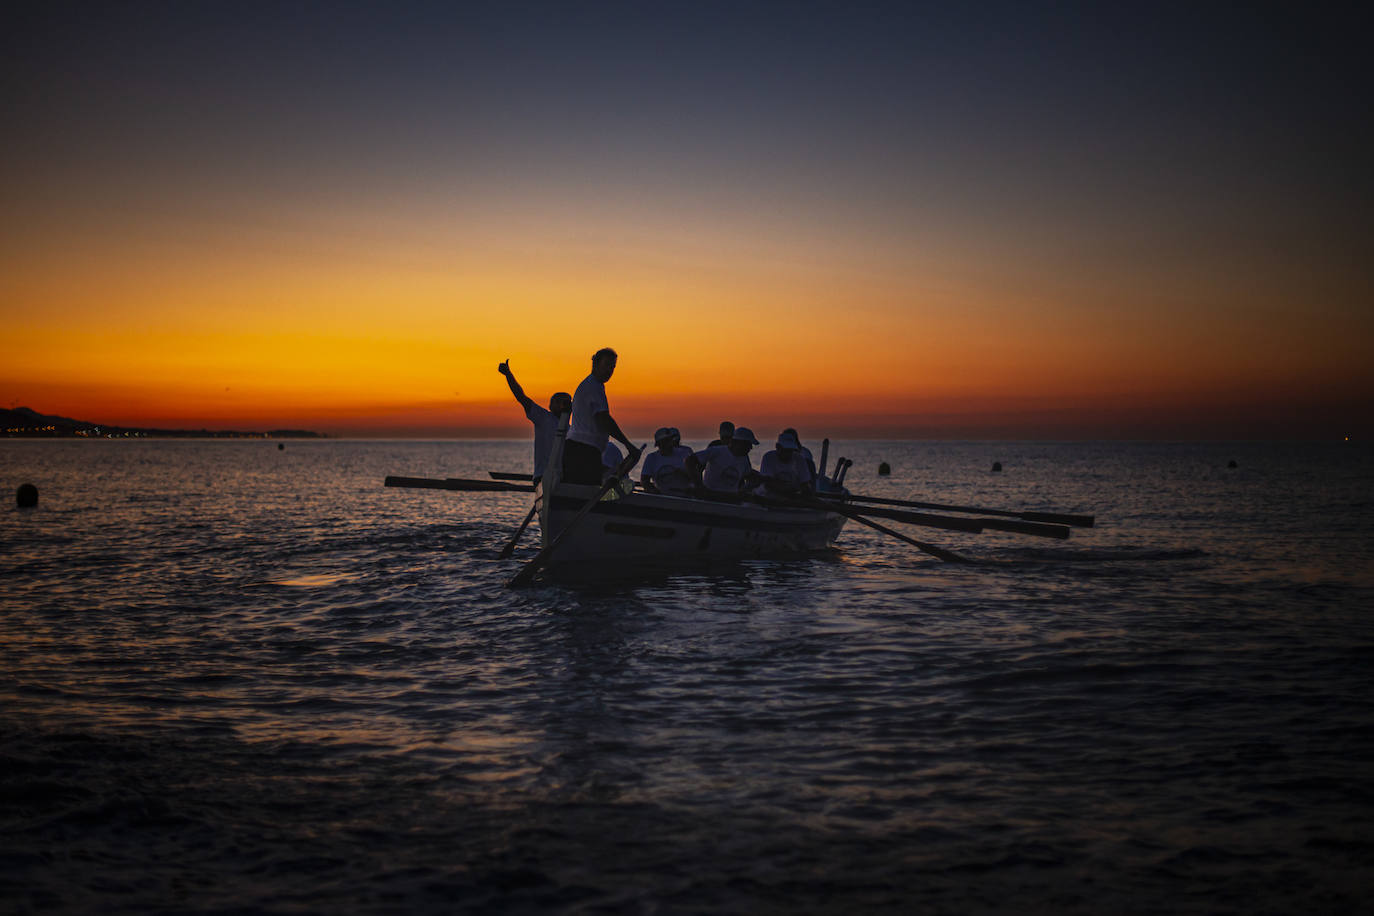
(652,526)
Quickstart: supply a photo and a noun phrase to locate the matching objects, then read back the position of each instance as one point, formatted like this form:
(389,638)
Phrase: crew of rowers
(722,468)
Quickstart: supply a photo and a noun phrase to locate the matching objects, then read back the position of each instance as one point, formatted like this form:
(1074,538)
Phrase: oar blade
(1037,529)
(456,483)
(1053,518)
(945,522)
(509,549)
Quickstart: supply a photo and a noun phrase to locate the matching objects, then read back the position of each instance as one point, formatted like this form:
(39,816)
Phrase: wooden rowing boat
(641,525)
(629,524)
(614,523)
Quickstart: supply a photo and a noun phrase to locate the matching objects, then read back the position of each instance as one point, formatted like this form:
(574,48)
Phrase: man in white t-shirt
(784,470)
(726,468)
(545,421)
(665,469)
(592,424)
(679,449)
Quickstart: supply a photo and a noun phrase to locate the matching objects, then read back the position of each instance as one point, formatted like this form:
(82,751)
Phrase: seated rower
(611,456)
(678,448)
(727,430)
(726,468)
(665,469)
(805,453)
(784,470)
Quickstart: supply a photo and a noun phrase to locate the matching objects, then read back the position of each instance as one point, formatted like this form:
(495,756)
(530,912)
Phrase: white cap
(745,434)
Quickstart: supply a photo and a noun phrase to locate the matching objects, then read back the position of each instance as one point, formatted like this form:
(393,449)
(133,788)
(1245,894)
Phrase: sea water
(242,678)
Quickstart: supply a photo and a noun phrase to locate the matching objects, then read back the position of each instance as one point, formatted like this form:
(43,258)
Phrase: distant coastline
(27,423)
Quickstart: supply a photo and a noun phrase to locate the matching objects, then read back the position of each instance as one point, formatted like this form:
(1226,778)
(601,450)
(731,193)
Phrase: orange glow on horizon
(398,331)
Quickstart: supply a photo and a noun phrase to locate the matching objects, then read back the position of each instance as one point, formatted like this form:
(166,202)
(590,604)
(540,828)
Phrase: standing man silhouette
(592,424)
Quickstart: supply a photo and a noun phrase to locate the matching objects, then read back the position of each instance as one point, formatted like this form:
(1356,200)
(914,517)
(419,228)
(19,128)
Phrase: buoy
(281,447)
(27,497)
(996,466)
(884,469)
(1232,464)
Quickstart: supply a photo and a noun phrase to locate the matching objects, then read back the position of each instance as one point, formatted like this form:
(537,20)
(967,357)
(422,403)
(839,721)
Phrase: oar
(457,483)
(1052,518)
(947,522)
(510,547)
(938,552)
(825,458)
(971,525)
(527,572)
(506,475)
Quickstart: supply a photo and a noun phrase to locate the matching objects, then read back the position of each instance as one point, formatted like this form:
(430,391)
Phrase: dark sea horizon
(238,678)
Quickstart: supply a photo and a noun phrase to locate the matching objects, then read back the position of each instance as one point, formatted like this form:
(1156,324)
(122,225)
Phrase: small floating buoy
(27,497)
(281,447)
(996,466)
(884,469)
(1232,463)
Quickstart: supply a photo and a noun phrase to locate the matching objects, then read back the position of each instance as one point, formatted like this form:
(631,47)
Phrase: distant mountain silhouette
(29,423)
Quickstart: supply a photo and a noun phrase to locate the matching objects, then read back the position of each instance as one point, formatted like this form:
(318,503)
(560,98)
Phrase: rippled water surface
(238,678)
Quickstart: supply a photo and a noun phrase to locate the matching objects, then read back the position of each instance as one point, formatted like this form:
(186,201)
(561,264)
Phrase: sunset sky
(857,219)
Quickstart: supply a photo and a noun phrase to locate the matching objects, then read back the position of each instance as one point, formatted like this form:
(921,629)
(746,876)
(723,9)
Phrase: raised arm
(613,429)
(515,389)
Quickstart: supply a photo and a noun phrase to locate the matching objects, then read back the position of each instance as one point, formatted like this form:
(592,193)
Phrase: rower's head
(663,439)
(787,444)
(727,429)
(742,441)
(789,431)
(560,403)
(677,436)
(603,364)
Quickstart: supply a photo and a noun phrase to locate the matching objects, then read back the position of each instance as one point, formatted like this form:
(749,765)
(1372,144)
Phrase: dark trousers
(581,463)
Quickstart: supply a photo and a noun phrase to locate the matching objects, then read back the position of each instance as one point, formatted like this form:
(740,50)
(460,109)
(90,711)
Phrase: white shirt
(656,461)
(544,427)
(724,469)
(668,473)
(589,400)
(792,473)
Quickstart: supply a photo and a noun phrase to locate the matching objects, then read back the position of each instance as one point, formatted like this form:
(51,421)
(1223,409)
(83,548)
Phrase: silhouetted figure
(727,430)
(996,467)
(27,496)
(545,421)
(1232,464)
(726,468)
(805,453)
(884,469)
(281,447)
(592,424)
(784,471)
(665,468)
